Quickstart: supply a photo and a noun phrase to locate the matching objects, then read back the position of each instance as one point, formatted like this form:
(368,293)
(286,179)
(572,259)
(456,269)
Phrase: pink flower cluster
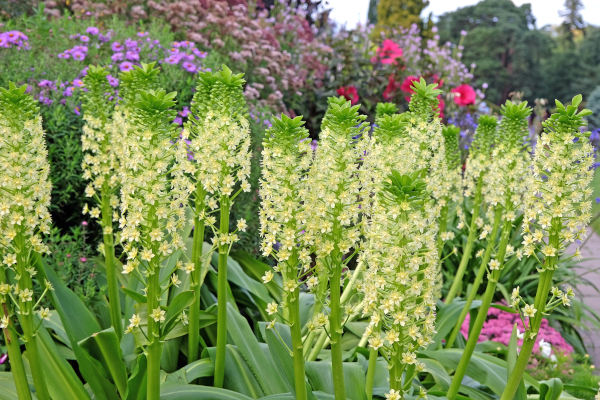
(185,52)
(14,39)
(499,325)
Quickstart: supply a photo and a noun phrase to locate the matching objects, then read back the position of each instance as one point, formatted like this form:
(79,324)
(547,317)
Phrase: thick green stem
(486,301)
(194,329)
(323,340)
(27,322)
(154,349)
(14,350)
(222,294)
(371,373)
(478,279)
(335,326)
(293,306)
(541,296)
(466,255)
(114,300)
(443,222)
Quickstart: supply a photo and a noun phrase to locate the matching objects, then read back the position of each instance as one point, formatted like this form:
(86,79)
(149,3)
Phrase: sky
(351,12)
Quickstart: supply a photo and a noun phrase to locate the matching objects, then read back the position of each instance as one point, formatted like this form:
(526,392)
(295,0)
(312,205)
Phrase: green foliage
(286,130)
(485,135)
(513,127)
(399,189)
(95,99)
(390,125)
(567,118)
(383,109)
(16,105)
(451,135)
(342,118)
(220,92)
(392,13)
(424,100)
(501,41)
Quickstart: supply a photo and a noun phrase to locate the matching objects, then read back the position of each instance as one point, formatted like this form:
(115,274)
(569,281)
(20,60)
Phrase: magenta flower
(92,30)
(117,57)
(189,67)
(198,53)
(116,46)
(112,81)
(142,34)
(84,38)
(77,111)
(173,59)
(126,66)
(3,358)
(77,82)
(79,56)
(68,92)
(82,259)
(132,56)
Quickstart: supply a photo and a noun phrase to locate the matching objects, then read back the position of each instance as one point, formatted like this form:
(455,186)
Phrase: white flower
(158,315)
(529,310)
(271,308)
(545,348)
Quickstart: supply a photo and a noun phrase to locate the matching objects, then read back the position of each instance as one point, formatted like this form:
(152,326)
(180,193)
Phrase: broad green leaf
(257,269)
(174,309)
(62,381)
(262,366)
(198,369)
(551,389)
(8,390)
(79,323)
(511,360)
(238,376)
(236,274)
(197,392)
(136,385)
(447,316)
(104,346)
(170,355)
(136,296)
(320,378)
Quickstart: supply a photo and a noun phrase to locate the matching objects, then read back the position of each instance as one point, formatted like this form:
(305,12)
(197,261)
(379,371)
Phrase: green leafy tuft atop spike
(566,118)
(409,188)
(95,99)
(424,100)
(341,116)
(138,79)
(17,106)
(485,135)
(383,109)
(451,143)
(286,130)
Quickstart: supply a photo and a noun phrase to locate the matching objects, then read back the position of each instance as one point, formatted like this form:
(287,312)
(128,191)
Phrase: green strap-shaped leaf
(197,392)
(511,359)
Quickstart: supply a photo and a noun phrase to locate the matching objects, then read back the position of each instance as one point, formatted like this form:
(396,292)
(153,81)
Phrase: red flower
(389,52)
(407,84)
(391,87)
(350,93)
(464,95)
(441,106)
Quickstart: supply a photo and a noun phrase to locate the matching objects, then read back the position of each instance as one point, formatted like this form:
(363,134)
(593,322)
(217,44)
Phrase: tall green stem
(114,300)
(154,349)
(322,340)
(14,351)
(486,301)
(371,373)
(335,326)
(27,323)
(222,294)
(293,306)
(443,222)
(478,279)
(541,296)
(466,256)
(194,328)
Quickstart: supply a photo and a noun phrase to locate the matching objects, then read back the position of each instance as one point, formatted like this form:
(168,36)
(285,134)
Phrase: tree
(503,44)
(573,19)
(399,13)
(372,13)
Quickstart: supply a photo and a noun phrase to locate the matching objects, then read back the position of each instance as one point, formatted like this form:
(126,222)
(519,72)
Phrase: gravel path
(590,269)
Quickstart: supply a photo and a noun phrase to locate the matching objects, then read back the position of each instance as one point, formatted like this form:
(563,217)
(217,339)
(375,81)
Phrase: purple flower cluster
(499,325)
(181,115)
(77,53)
(185,53)
(15,39)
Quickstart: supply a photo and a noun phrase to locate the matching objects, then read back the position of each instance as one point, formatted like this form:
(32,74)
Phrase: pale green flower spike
(99,165)
(153,190)
(286,160)
(557,212)
(24,217)
(451,144)
(332,211)
(219,135)
(399,287)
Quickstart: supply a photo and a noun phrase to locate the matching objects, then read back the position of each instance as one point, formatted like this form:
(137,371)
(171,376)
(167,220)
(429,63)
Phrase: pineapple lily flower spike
(220,142)
(557,212)
(24,217)
(99,166)
(286,159)
(153,192)
(507,182)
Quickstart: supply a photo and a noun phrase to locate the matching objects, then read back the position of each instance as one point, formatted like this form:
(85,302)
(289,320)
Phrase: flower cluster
(219,135)
(498,328)
(186,53)
(558,206)
(15,39)
(401,255)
